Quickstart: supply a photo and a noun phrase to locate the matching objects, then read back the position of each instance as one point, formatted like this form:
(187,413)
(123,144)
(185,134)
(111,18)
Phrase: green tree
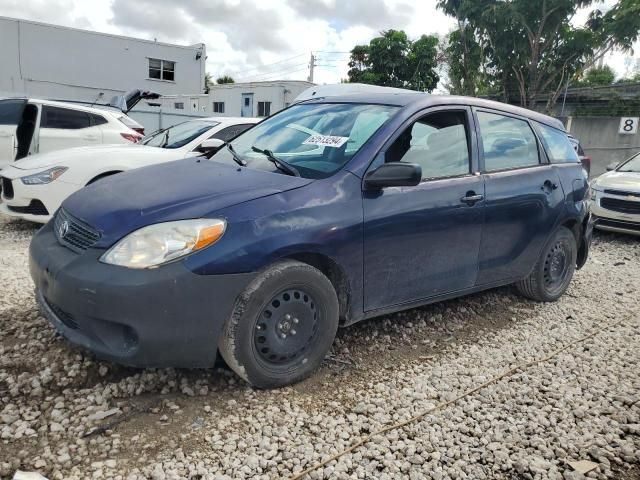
(225,79)
(392,60)
(598,76)
(532,47)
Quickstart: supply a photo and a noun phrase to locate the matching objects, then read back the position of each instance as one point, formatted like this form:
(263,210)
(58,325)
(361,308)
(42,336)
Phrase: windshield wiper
(235,156)
(280,164)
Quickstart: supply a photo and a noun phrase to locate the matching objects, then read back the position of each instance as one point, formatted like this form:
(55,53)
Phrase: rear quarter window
(557,145)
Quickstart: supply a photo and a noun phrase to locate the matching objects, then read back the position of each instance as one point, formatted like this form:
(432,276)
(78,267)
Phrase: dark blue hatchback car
(331,211)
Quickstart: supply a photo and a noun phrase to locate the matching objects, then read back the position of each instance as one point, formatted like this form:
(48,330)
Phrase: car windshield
(631,165)
(178,135)
(315,139)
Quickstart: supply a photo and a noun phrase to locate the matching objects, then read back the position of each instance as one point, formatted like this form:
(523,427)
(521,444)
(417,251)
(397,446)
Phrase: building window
(218,107)
(162,69)
(178,105)
(264,109)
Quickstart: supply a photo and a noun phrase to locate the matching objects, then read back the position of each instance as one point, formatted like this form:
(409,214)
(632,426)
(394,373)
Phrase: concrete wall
(601,141)
(41,60)
(279,93)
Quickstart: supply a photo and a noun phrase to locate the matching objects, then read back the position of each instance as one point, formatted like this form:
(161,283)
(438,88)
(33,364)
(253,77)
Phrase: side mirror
(210,145)
(395,174)
(612,166)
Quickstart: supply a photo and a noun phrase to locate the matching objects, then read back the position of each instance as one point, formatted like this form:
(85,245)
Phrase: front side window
(507,142)
(64,118)
(178,135)
(264,109)
(317,139)
(162,69)
(558,146)
(437,142)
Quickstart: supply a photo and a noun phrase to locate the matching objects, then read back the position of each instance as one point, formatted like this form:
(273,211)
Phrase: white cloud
(250,40)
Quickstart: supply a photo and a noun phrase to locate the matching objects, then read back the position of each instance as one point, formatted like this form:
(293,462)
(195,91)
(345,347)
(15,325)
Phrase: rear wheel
(282,326)
(554,270)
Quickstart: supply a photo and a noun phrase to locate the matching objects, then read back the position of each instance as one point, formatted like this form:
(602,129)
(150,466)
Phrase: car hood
(626,181)
(190,188)
(96,153)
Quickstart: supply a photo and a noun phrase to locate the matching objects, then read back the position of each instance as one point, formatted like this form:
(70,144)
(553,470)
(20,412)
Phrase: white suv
(29,126)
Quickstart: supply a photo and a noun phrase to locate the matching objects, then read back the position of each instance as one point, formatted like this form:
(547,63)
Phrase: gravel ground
(583,404)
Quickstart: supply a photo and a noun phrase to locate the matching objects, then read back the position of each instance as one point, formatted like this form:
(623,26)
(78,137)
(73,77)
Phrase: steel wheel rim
(286,328)
(556,266)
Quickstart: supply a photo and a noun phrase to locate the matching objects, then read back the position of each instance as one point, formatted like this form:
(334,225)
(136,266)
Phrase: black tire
(554,270)
(282,325)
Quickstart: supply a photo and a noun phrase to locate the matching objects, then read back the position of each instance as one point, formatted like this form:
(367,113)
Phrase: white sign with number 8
(628,125)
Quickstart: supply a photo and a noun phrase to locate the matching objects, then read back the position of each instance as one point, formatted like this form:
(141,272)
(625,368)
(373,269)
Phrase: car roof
(424,100)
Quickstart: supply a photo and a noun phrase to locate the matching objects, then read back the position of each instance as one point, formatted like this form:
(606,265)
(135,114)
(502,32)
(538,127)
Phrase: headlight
(593,193)
(163,242)
(47,176)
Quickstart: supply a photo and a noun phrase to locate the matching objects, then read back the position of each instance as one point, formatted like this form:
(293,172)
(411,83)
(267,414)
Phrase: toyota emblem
(63,229)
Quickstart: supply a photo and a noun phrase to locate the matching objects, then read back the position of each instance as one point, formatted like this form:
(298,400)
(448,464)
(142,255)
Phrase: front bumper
(36,203)
(615,221)
(162,317)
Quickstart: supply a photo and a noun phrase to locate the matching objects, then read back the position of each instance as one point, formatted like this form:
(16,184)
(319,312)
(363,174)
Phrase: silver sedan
(615,198)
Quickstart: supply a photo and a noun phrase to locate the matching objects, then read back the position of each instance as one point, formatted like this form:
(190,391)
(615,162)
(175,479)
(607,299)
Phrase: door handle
(471,198)
(549,186)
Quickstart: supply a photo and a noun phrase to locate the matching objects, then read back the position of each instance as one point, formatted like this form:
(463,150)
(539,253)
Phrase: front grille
(7,188)
(622,193)
(73,233)
(63,316)
(36,207)
(618,224)
(619,205)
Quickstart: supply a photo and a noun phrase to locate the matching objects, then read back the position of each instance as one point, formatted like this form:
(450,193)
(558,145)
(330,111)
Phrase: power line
(267,76)
(258,75)
(267,65)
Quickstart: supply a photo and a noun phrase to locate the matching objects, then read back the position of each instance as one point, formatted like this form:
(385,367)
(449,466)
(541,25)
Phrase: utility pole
(312,64)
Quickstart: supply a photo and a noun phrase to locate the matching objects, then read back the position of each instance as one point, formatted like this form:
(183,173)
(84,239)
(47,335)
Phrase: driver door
(423,241)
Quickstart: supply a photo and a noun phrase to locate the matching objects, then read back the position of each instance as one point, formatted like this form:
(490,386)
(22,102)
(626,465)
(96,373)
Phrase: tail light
(586,163)
(132,137)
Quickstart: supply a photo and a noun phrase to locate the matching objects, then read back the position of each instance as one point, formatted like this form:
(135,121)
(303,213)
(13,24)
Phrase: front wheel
(554,270)
(282,326)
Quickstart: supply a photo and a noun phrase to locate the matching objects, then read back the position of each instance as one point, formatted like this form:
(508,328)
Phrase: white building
(49,61)
(253,99)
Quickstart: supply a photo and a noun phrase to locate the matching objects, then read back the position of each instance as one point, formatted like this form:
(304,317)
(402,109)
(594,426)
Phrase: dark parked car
(584,158)
(329,212)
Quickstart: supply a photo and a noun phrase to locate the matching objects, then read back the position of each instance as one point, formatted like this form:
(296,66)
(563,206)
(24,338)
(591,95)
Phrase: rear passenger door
(62,128)
(523,193)
(423,241)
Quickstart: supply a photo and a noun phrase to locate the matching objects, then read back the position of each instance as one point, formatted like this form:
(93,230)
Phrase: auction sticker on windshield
(325,141)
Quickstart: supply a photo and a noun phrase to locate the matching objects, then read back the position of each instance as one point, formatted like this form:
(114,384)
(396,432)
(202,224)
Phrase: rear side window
(437,142)
(64,118)
(557,145)
(507,142)
(231,132)
(10,111)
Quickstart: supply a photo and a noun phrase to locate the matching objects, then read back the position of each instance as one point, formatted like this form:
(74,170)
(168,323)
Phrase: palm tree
(208,81)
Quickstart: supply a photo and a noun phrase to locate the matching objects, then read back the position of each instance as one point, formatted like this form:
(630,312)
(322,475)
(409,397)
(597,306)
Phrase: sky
(258,40)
